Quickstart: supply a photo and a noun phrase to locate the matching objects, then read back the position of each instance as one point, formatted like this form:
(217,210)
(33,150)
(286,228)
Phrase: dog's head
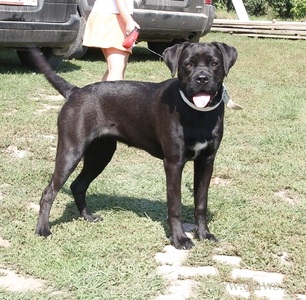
(201,69)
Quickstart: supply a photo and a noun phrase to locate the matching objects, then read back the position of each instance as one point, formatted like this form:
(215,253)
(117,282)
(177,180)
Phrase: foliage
(223,4)
(282,8)
(256,7)
(287,9)
(253,7)
(299,8)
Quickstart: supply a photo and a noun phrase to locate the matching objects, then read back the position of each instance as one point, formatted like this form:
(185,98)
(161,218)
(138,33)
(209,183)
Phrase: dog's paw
(43,231)
(183,243)
(206,236)
(92,218)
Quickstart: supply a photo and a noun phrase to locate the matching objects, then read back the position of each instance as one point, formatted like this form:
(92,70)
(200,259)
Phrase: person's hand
(130,26)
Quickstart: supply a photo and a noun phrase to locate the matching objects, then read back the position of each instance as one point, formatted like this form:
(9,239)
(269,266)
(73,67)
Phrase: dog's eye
(188,64)
(214,63)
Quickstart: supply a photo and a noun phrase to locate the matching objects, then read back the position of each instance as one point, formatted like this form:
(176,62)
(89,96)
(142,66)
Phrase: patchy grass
(257,212)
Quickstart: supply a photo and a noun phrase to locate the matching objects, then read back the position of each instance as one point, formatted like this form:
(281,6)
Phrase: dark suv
(52,25)
(57,26)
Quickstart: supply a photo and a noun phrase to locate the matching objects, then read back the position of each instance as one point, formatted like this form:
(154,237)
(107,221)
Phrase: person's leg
(104,78)
(116,64)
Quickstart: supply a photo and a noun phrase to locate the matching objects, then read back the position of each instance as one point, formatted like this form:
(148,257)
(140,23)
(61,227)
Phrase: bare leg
(116,64)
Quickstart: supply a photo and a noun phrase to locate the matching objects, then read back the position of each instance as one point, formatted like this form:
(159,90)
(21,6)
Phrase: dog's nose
(202,79)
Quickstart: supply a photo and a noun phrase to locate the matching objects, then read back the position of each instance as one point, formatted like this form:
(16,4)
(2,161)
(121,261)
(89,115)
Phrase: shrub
(224,4)
(282,8)
(253,7)
(256,7)
(299,8)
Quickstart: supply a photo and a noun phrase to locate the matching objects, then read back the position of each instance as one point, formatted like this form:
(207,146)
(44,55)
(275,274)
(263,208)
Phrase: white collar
(208,108)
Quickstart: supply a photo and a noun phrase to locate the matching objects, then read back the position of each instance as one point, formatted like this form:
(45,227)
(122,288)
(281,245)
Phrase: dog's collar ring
(208,108)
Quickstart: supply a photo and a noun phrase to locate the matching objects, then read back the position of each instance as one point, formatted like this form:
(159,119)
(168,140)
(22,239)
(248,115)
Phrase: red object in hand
(131,38)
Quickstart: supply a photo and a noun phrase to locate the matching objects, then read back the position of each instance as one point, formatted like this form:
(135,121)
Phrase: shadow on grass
(10,63)
(153,209)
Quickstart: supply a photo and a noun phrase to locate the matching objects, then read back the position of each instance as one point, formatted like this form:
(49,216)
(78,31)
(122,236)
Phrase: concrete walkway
(181,279)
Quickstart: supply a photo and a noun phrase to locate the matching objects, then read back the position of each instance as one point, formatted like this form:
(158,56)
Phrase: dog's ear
(229,53)
(171,56)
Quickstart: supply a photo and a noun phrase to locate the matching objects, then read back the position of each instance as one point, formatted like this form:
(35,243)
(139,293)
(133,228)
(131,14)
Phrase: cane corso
(177,120)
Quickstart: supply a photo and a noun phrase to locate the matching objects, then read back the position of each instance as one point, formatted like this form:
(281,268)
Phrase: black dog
(177,120)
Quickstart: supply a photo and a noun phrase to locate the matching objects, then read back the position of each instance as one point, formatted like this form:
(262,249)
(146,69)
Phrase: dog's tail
(60,84)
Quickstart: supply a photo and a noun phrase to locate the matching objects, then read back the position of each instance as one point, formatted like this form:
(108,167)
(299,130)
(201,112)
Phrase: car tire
(27,60)
(77,50)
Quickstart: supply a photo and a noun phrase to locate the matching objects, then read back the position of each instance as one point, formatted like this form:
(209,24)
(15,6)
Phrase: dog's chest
(197,148)
(202,140)
(193,150)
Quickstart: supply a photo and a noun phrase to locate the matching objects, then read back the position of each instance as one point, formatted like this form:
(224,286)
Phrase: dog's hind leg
(67,159)
(96,157)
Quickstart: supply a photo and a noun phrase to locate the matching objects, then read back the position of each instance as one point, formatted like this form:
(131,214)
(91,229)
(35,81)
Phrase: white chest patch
(198,147)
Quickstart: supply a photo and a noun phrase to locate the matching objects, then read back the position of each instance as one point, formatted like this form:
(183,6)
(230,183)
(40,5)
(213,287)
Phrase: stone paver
(259,276)
(13,282)
(271,294)
(4,243)
(245,290)
(33,206)
(265,284)
(182,287)
(171,256)
(14,152)
(230,260)
(178,276)
(238,290)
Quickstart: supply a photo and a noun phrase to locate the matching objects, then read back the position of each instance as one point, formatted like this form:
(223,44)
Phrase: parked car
(52,25)
(162,22)
(57,26)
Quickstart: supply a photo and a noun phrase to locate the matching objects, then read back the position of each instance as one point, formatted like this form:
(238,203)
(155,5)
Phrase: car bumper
(24,34)
(177,25)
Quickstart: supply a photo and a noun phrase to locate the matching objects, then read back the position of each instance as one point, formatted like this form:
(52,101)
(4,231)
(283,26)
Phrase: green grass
(259,214)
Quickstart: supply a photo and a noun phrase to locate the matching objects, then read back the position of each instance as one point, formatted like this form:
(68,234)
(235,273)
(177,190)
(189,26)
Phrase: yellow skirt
(105,31)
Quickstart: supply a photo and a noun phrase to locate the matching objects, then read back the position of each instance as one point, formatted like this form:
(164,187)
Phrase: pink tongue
(201,99)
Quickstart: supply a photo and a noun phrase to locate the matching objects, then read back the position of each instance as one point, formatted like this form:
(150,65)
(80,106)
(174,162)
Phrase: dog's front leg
(203,169)
(173,178)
